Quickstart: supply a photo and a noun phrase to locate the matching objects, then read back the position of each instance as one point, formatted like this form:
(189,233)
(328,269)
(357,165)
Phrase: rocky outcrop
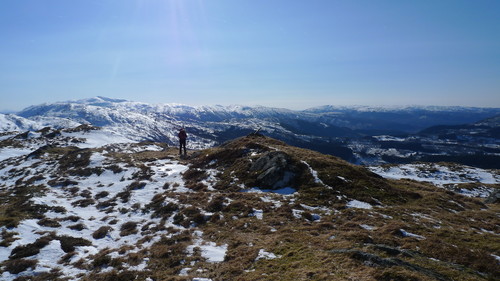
(494,197)
(273,170)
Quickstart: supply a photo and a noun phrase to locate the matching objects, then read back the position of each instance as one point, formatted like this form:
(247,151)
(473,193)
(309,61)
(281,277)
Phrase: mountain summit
(85,204)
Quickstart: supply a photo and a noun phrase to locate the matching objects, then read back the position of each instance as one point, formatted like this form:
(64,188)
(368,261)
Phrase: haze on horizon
(288,54)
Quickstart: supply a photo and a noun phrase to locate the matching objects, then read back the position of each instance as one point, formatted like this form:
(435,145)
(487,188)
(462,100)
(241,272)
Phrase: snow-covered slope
(110,110)
(11,122)
(161,121)
(448,175)
(88,204)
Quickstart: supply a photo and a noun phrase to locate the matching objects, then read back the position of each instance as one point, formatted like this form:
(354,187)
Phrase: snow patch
(409,234)
(314,173)
(266,255)
(259,214)
(367,227)
(209,250)
(98,138)
(358,204)
(438,174)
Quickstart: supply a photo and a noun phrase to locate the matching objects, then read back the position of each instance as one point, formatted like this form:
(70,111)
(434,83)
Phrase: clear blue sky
(282,53)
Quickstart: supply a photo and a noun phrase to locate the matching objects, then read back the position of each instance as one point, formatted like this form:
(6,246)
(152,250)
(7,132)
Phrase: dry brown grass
(8,237)
(458,232)
(128,228)
(101,232)
(19,265)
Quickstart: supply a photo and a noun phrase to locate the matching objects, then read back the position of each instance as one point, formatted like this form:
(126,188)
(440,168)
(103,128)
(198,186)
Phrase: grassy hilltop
(253,208)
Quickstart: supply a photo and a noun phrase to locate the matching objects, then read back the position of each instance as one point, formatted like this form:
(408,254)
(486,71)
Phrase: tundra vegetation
(253,208)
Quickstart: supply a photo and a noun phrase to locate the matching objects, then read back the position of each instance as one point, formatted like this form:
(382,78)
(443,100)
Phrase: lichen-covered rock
(273,170)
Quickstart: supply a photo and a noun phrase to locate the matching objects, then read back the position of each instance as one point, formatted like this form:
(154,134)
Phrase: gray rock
(494,197)
(274,170)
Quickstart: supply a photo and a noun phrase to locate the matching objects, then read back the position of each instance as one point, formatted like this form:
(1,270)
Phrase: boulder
(273,170)
(494,197)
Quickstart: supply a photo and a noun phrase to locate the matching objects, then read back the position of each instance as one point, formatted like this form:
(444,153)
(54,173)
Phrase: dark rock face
(494,197)
(273,170)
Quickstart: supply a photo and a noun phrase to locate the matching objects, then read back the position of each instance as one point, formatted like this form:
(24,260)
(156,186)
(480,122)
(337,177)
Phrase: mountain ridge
(339,131)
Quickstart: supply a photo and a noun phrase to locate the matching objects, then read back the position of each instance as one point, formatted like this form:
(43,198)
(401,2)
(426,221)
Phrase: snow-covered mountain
(160,122)
(352,133)
(106,112)
(112,110)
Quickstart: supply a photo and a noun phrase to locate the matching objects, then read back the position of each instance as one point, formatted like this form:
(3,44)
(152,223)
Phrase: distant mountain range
(363,135)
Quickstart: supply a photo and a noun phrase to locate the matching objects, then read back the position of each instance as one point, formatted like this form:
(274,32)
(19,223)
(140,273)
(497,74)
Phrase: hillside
(84,204)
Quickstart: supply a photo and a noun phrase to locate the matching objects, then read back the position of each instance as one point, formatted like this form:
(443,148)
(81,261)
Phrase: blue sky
(281,53)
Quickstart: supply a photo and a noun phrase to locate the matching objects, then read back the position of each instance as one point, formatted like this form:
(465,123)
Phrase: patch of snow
(209,250)
(259,214)
(478,192)
(96,160)
(358,204)
(297,213)
(322,209)
(98,138)
(496,257)
(266,255)
(267,199)
(48,260)
(408,234)
(426,217)
(388,138)
(342,178)
(385,216)
(152,147)
(314,173)
(212,252)
(7,152)
(389,152)
(184,271)
(488,231)
(438,174)
(7,136)
(367,227)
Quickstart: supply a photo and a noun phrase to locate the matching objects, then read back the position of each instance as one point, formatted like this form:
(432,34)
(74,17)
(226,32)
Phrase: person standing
(182,140)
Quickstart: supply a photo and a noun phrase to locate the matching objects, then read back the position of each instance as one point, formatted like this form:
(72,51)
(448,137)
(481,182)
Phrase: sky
(280,53)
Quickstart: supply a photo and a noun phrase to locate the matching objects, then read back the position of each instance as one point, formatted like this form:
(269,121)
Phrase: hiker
(182,140)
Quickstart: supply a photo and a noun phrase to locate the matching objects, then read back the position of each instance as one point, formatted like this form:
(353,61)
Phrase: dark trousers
(182,143)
